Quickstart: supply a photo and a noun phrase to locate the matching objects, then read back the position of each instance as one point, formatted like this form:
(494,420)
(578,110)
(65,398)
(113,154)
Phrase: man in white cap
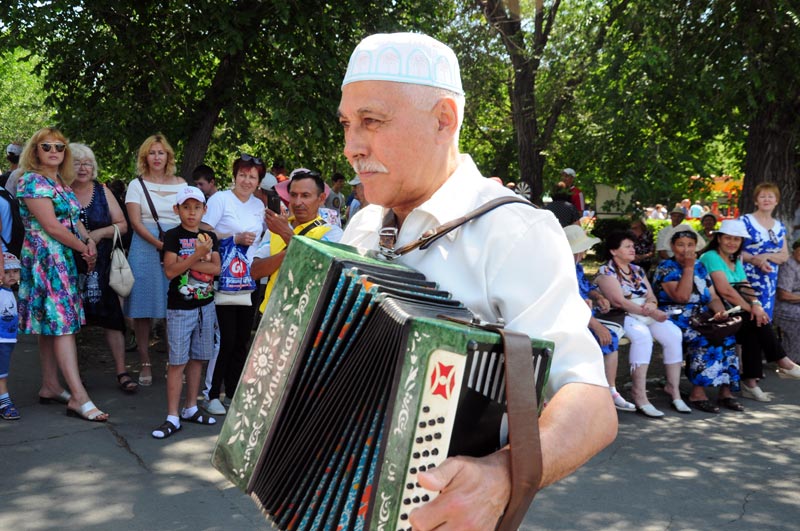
(401,110)
(358,197)
(13,151)
(575,194)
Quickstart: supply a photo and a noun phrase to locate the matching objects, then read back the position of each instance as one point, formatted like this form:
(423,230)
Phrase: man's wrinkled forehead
(370,97)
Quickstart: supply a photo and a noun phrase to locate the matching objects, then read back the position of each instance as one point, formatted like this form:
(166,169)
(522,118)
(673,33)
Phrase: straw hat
(578,240)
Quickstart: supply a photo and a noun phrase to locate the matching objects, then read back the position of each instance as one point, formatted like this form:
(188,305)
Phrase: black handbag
(715,331)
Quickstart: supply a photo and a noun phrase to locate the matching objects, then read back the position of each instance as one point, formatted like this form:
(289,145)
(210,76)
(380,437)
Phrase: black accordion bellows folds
(354,384)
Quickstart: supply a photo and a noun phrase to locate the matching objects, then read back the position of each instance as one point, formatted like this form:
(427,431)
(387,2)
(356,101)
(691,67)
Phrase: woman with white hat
(606,333)
(722,259)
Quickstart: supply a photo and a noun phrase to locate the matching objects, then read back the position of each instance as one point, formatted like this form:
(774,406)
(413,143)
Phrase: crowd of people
(655,288)
(70,222)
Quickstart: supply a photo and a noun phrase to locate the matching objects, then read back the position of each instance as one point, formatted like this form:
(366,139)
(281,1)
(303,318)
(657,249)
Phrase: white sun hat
(733,227)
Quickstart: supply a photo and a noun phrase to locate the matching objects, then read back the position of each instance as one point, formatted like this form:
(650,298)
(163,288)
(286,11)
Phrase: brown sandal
(730,403)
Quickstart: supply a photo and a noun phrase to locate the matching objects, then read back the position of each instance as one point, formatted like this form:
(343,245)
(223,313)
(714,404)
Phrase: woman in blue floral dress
(766,249)
(49,303)
(683,287)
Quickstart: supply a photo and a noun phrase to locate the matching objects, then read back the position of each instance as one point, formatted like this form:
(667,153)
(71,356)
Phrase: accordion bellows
(359,378)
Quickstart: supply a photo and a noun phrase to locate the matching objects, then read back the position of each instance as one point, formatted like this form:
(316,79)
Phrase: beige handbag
(120,278)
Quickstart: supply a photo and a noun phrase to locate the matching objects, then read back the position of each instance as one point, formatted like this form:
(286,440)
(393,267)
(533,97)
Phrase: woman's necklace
(626,273)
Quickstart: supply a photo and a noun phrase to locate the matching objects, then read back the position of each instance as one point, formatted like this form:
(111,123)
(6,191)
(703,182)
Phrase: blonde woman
(49,302)
(156,179)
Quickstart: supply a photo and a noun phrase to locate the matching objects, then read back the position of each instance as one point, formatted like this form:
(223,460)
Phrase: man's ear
(446,113)
(176,209)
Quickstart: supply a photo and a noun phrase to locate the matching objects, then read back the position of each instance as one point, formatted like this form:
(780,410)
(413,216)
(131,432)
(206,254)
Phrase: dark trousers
(234,342)
(755,340)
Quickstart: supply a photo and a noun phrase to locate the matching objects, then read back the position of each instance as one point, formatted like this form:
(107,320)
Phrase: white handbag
(120,278)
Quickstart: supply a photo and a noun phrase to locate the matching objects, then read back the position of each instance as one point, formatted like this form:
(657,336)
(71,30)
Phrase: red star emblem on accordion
(443,380)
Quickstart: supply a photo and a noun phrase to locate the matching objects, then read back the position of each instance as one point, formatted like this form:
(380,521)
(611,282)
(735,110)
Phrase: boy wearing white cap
(9,320)
(191,259)
(401,110)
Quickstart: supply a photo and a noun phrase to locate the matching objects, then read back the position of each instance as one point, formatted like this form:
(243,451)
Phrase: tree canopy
(254,75)
(639,95)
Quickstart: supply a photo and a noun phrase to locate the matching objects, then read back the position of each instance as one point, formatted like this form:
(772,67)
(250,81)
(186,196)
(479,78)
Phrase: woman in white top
(155,164)
(239,214)
(625,285)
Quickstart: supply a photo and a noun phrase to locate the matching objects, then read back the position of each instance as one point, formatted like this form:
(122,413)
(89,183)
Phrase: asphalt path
(733,471)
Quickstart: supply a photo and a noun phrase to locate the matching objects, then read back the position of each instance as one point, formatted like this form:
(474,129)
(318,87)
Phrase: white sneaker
(755,393)
(214,407)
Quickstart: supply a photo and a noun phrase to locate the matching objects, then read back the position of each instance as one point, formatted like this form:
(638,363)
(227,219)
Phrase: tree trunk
(214,100)
(771,156)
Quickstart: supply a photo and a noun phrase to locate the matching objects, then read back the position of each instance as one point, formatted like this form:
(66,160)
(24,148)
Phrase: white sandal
(622,404)
(84,412)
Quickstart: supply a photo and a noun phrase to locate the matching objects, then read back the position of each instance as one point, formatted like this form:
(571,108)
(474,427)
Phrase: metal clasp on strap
(387,238)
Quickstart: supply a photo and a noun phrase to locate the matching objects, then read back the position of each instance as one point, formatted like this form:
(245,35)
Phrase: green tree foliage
(691,88)
(549,56)
(22,99)
(257,75)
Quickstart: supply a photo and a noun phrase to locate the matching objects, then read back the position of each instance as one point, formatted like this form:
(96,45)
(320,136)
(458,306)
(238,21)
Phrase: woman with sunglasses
(49,302)
(235,213)
(155,185)
(100,213)
(766,249)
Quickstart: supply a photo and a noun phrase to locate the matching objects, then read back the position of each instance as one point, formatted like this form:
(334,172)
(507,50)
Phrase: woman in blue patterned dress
(49,302)
(766,249)
(722,259)
(683,287)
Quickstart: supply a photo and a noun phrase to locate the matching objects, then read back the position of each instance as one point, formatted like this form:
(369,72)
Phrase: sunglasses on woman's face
(46,146)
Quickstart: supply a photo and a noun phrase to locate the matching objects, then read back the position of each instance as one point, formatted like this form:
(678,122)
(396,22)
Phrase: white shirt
(163,196)
(512,263)
(227,214)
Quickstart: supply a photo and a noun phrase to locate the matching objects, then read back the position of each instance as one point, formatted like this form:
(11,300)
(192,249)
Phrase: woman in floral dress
(766,249)
(683,287)
(49,302)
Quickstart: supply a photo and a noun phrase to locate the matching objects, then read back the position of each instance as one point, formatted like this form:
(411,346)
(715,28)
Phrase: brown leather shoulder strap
(523,428)
(430,236)
(150,204)
(522,407)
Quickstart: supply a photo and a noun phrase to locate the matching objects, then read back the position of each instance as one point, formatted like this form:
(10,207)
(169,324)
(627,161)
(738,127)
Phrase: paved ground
(696,472)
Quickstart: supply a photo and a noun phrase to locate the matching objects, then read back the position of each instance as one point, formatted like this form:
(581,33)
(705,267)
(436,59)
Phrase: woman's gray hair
(81,152)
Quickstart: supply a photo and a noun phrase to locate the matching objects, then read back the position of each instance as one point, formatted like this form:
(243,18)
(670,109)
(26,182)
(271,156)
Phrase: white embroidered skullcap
(404,58)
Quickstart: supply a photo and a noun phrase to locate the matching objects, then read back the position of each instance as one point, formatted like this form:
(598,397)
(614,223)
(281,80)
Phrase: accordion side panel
(427,393)
(282,332)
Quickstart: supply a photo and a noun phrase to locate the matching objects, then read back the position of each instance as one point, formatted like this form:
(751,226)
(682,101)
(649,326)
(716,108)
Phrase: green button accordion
(361,375)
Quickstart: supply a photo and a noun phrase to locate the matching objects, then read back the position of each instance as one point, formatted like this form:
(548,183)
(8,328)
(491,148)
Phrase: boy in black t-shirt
(191,259)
